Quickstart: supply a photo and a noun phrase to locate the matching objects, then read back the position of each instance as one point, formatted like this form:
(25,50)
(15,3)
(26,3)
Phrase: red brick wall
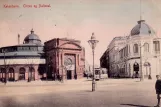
(63,47)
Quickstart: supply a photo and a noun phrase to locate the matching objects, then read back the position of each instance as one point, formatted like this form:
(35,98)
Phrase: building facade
(65,58)
(104,61)
(34,61)
(23,61)
(136,55)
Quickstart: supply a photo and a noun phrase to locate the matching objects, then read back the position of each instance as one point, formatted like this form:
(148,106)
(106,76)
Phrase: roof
(21,54)
(29,38)
(142,29)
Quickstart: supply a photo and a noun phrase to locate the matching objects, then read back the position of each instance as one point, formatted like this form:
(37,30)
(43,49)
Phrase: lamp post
(92,42)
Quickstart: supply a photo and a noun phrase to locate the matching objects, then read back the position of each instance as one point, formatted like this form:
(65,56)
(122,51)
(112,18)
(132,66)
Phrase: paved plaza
(77,93)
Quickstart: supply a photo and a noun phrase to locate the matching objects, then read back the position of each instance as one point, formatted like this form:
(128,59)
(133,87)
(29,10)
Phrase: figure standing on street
(158,89)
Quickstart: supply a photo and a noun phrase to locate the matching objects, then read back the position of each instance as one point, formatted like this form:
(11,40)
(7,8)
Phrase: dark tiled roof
(142,29)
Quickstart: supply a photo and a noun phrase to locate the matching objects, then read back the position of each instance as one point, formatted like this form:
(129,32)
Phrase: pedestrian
(158,89)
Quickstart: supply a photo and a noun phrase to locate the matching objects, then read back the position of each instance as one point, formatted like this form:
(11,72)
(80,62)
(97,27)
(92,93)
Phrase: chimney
(18,39)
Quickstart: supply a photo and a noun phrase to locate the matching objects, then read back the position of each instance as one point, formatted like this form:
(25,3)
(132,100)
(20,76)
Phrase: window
(156,46)
(135,48)
(146,47)
(33,48)
(25,48)
(19,48)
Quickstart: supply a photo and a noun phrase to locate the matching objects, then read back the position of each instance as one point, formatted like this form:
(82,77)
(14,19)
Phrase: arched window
(11,74)
(31,69)
(146,47)
(135,48)
(3,71)
(156,46)
(32,73)
(22,71)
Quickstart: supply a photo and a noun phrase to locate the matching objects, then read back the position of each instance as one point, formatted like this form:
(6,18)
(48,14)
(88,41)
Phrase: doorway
(69,74)
(136,70)
(147,73)
(22,73)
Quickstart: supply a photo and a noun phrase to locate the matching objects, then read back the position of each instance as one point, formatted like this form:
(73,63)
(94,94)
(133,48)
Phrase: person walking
(158,89)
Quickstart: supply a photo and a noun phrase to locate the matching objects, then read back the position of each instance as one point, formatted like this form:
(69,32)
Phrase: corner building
(136,55)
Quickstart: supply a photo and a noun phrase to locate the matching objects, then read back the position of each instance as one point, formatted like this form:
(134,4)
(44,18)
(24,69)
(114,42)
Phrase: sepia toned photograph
(80,53)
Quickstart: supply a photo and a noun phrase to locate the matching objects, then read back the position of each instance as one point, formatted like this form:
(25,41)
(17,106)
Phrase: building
(23,61)
(34,61)
(104,61)
(135,55)
(64,58)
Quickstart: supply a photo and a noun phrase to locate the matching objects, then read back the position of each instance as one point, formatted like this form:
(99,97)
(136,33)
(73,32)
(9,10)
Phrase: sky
(76,19)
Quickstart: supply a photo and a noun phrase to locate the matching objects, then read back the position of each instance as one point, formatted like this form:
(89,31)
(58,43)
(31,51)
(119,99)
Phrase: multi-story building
(136,55)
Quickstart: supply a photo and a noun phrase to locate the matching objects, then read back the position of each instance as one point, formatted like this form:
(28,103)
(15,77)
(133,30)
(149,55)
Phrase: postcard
(80,53)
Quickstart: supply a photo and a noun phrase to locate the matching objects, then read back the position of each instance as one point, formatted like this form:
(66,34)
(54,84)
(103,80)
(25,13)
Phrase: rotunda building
(23,61)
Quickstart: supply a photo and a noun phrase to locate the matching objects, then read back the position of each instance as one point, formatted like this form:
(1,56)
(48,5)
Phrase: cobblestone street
(77,93)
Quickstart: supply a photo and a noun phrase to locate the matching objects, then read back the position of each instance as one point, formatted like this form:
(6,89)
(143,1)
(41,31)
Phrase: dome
(32,38)
(142,29)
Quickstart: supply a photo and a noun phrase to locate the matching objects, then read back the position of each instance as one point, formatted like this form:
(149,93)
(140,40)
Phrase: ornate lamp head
(92,42)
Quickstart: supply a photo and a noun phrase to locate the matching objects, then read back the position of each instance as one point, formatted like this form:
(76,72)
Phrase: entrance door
(136,70)
(69,74)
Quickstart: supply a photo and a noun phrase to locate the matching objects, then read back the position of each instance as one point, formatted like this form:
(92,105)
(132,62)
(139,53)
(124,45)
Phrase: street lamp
(92,42)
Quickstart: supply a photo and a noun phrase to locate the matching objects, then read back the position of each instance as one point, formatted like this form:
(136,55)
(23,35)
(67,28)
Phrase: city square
(78,93)
(80,53)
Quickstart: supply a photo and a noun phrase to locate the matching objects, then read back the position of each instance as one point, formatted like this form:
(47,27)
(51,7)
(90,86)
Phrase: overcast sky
(76,19)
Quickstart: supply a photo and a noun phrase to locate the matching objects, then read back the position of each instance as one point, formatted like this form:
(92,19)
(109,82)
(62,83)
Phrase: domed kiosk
(142,29)
(23,61)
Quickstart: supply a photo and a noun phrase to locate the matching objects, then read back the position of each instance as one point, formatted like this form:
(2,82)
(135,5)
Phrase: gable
(70,45)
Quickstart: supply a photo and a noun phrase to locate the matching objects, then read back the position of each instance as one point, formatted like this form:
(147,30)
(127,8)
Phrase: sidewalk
(79,81)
